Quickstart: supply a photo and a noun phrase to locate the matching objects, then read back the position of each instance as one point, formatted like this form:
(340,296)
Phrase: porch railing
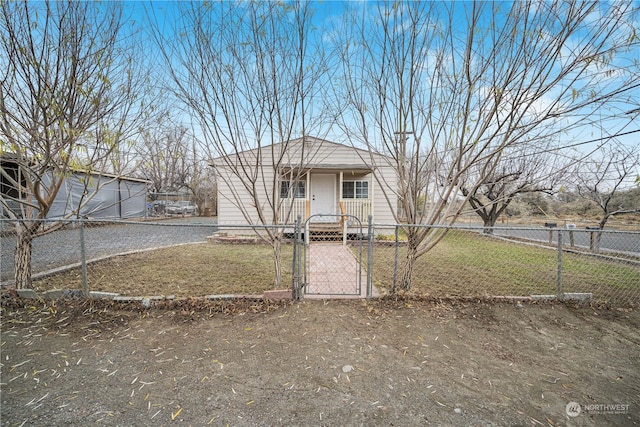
(360,208)
(299,207)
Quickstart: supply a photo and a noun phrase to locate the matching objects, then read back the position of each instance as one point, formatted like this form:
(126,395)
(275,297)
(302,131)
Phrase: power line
(577,144)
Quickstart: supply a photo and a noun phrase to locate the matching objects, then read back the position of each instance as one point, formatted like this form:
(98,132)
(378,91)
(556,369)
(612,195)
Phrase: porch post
(307,204)
(343,219)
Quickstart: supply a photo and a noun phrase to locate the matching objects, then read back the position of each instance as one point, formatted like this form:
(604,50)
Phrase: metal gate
(328,257)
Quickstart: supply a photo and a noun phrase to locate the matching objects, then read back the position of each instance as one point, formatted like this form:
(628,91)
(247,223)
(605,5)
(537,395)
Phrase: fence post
(83,261)
(297,267)
(294,273)
(559,274)
(369,255)
(395,262)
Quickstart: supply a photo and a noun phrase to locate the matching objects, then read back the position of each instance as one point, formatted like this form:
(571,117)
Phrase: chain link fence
(191,257)
(530,262)
(181,257)
(332,254)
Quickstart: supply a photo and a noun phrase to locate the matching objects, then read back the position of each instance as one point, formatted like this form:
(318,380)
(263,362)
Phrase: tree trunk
(276,244)
(489,223)
(407,269)
(596,241)
(597,236)
(23,256)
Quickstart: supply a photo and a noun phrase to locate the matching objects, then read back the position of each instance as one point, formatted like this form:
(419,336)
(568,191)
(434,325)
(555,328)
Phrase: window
(297,189)
(355,189)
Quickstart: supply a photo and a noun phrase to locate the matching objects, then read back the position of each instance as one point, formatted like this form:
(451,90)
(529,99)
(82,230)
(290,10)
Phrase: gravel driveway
(62,248)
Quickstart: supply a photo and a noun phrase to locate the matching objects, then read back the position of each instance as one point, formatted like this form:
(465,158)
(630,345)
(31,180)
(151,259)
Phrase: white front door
(323,197)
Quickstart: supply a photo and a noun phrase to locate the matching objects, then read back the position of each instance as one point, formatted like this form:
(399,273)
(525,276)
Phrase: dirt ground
(325,363)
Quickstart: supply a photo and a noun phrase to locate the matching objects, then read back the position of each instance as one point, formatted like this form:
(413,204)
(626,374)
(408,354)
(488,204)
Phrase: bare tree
(68,98)
(164,156)
(202,181)
(518,173)
(610,171)
(204,187)
(169,158)
(249,74)
(448,89)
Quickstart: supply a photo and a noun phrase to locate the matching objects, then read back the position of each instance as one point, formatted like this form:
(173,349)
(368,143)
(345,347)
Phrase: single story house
(315,179)
(102,195)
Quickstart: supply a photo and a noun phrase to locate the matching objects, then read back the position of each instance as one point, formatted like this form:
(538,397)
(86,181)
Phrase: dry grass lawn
(183,271)
(463,264)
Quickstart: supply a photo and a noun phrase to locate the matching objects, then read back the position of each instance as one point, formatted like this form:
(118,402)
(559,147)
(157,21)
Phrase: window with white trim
(355,189)
(296,189)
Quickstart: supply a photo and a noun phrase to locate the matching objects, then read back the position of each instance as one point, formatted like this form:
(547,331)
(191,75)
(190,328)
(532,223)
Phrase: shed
(100,195)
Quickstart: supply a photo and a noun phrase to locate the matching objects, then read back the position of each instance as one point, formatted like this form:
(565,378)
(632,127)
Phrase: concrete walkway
(333,273)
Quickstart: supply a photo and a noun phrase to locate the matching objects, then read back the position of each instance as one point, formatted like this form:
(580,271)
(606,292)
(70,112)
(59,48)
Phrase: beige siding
(234,198)
(321,157)
(382,212)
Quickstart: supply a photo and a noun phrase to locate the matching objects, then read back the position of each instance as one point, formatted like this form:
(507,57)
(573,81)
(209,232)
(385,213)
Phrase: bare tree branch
(452,91)
(71,93)
(250,76)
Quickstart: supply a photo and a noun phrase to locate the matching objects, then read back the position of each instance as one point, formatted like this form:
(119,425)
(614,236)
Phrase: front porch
(327,195)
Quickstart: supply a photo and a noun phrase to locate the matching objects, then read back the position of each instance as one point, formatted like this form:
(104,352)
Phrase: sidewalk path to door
(333,273)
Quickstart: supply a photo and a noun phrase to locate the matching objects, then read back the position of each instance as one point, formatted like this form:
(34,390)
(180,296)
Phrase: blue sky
(329,13)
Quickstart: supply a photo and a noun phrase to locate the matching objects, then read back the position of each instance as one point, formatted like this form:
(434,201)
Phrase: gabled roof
(311,141)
